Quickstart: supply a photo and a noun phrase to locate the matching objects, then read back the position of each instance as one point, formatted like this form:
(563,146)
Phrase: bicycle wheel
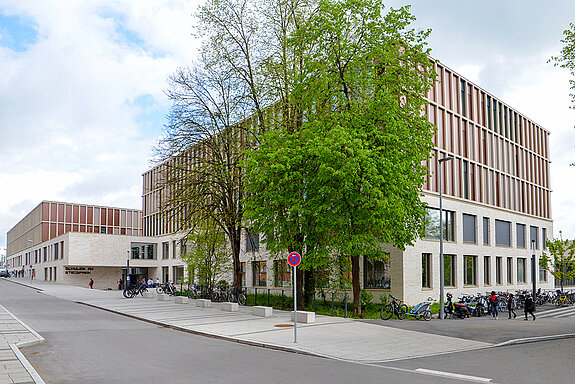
(126,293)
(386,312)
(426,315)
(402,311)
(241,299)
(159,289)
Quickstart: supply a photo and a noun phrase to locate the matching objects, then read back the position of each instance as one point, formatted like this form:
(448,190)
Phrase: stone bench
(163,297)
(230,307)
(204,303)
(262,311)
(304,317)
(149,295)
(182,300)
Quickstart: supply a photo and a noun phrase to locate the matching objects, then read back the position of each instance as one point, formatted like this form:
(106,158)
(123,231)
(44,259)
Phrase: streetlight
(533,277)
(441,263)
(32,244)
(127,279)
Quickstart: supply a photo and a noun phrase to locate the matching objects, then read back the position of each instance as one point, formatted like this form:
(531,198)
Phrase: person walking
(511,306)
(494,305)
(91,283)
(529,306)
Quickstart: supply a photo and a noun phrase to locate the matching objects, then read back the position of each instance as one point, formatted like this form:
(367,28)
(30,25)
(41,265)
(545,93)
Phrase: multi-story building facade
(65,242)
(496,199)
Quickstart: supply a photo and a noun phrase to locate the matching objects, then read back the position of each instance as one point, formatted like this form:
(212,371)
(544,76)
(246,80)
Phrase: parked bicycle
(167,288)
(396,307)
(134,289)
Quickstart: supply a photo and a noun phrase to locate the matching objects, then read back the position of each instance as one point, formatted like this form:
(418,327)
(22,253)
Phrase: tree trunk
(235,242)
(356,289)
(309,287)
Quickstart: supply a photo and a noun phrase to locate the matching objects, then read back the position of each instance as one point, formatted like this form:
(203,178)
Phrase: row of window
(515,270)
(45,254)
(503,230)
(464,98)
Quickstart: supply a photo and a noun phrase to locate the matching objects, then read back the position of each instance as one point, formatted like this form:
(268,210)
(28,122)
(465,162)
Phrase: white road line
(454,375)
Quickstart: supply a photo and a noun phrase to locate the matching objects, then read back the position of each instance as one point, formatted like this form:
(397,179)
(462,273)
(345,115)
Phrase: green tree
(566,58)
(210,256)
(560,259)
(347,182)
(201,154)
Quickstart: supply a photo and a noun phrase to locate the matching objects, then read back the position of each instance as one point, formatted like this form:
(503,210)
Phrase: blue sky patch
(17,33)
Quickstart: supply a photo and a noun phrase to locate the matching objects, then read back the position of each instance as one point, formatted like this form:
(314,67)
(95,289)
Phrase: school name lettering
(78,270)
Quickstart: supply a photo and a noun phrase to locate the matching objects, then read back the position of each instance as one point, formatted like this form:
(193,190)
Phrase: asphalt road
(88,345)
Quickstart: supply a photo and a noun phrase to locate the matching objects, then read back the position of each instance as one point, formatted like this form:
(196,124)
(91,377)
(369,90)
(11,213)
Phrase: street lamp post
(533,273)
(441,261)
(31,276)
(127,279)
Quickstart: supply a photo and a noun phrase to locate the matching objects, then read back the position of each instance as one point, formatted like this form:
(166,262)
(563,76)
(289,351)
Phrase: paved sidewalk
(14,368)
(345,339)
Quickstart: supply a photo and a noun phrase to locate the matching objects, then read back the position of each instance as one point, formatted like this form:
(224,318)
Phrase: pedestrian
(511,306)
(91,283)
(157,282)
(494,305)
(150,283)
(529,307)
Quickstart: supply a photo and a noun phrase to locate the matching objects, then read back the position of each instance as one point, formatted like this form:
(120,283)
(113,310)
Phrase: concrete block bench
(149,295)
(304,317)
(262,311)
(204,303)
(163,297)
(230,307)
(182,300)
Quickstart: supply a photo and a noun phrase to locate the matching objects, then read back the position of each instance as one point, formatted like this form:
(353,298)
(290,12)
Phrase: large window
(542,275)
(502,233)
(449,263)
(252,241)
(465,180)
(520,235)
(486,230)
(510,270)
(469,230)
(521,270)
(259,269)
(533,231)
(487,270)
(544,237)
(426,270)
(377,273)
(499,270)
(282,273)
(165,250)
(470,276)
(432,228)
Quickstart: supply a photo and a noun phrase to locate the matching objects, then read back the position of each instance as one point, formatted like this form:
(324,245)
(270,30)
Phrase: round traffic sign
(294,259)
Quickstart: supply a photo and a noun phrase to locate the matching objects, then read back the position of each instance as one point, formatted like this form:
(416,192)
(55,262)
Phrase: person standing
(157,282)
(91,283)
(494,305)
(529,306)
(511,306)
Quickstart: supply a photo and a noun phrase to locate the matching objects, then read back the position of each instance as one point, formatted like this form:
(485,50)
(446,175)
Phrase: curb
(535,339)
(16,348)
(24,284)
(213,335)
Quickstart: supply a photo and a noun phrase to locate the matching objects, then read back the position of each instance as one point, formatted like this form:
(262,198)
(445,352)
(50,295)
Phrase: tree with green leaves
(347,182)
(210,256)
(560,259)
(566,58)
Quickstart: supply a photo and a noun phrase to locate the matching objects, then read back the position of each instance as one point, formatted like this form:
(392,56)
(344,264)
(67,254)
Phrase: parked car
(4,273)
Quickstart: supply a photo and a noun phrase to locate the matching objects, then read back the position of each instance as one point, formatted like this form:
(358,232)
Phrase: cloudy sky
(82,88)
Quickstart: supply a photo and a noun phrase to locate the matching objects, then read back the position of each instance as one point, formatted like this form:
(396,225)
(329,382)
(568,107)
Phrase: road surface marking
(454,375)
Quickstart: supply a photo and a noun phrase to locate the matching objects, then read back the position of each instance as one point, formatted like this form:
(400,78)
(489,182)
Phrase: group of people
(529,307)
(150,283)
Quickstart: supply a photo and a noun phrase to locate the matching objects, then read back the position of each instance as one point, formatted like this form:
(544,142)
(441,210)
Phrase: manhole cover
(283,325)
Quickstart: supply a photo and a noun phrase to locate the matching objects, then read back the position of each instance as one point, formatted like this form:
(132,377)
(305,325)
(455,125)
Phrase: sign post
(294,259)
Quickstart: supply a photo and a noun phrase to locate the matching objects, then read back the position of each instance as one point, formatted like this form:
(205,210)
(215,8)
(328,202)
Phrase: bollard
(256,297)
(268,297)
(314,300)
(346,305)
(332,304)
(282,299)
